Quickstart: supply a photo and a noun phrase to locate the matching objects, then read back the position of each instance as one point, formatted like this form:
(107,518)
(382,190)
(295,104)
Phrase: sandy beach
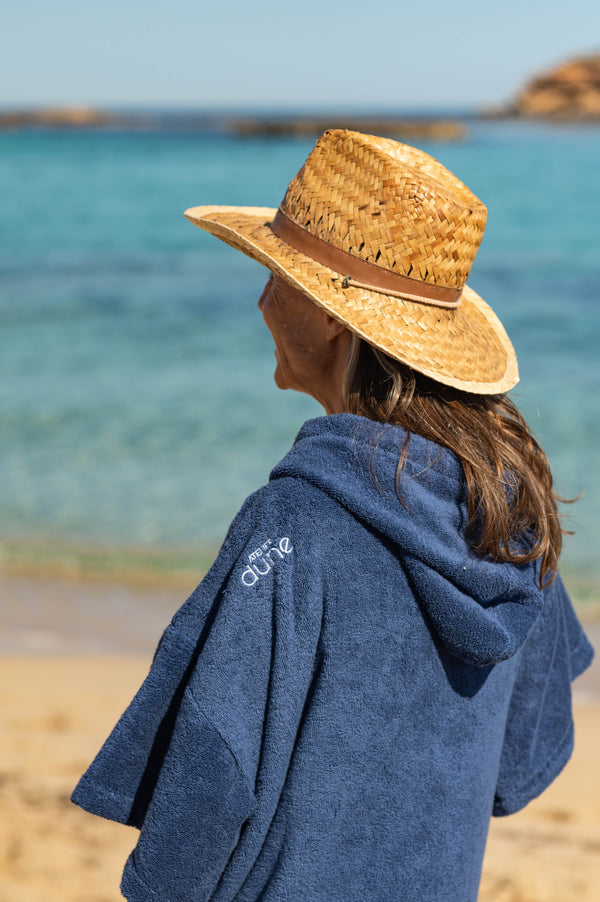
(60,696)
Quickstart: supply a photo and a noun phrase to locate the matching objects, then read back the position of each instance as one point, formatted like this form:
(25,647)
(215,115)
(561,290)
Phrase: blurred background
(137,404)
(137,407)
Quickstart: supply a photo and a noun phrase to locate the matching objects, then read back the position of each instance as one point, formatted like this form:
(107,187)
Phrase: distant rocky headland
(424,128)
(568,92)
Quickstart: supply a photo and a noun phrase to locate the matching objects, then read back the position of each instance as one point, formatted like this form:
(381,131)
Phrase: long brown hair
(512,508)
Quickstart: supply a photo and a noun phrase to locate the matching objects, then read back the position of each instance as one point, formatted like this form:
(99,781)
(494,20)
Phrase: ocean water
(137,407)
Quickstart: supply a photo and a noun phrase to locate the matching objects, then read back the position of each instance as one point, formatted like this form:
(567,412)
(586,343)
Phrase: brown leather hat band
(359,273)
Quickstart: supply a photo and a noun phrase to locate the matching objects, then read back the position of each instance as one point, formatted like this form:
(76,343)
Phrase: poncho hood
(481,610)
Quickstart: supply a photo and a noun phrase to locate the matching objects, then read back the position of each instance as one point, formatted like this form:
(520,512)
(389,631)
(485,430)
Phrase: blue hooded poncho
(347,697)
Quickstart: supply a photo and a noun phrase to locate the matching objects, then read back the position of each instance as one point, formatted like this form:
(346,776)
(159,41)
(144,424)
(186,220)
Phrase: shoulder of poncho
(285,498)
(285,505)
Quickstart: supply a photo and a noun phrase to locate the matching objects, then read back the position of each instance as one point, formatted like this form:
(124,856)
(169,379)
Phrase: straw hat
(383,237)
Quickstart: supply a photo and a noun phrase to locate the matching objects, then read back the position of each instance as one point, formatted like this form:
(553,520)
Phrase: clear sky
(359,54)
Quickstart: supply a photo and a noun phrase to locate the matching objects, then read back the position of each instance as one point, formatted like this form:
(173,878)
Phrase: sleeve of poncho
(539,733)
(216,717)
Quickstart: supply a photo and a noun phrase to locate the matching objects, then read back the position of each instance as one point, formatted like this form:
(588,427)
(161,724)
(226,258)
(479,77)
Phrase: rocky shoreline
(569,92)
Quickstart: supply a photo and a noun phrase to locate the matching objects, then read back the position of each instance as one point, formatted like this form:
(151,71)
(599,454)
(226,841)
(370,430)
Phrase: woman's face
(305,347)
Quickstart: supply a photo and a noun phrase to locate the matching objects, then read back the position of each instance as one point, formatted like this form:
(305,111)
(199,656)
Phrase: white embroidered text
(262,560)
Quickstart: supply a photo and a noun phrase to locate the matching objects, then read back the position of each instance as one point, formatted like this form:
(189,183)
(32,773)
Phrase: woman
(381,656)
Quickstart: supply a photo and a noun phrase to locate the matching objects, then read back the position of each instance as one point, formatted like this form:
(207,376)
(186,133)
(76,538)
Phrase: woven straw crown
(383,237)
(388,204)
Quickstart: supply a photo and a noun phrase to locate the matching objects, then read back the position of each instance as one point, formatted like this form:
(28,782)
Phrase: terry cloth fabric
(347,697)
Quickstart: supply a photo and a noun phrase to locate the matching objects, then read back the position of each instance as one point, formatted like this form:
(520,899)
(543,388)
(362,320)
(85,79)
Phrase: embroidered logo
(262,560)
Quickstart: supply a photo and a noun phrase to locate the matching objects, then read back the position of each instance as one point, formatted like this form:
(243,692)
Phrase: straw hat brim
(465,347)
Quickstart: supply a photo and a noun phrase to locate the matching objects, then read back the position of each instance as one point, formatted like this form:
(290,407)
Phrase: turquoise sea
(137,408)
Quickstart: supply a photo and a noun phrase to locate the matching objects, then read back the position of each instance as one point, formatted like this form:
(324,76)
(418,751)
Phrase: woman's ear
(333,328)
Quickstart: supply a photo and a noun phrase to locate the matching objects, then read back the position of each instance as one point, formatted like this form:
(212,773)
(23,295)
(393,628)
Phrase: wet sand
(59,698)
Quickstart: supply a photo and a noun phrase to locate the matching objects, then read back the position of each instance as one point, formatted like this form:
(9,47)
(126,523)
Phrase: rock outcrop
(59,117)
(571,91)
